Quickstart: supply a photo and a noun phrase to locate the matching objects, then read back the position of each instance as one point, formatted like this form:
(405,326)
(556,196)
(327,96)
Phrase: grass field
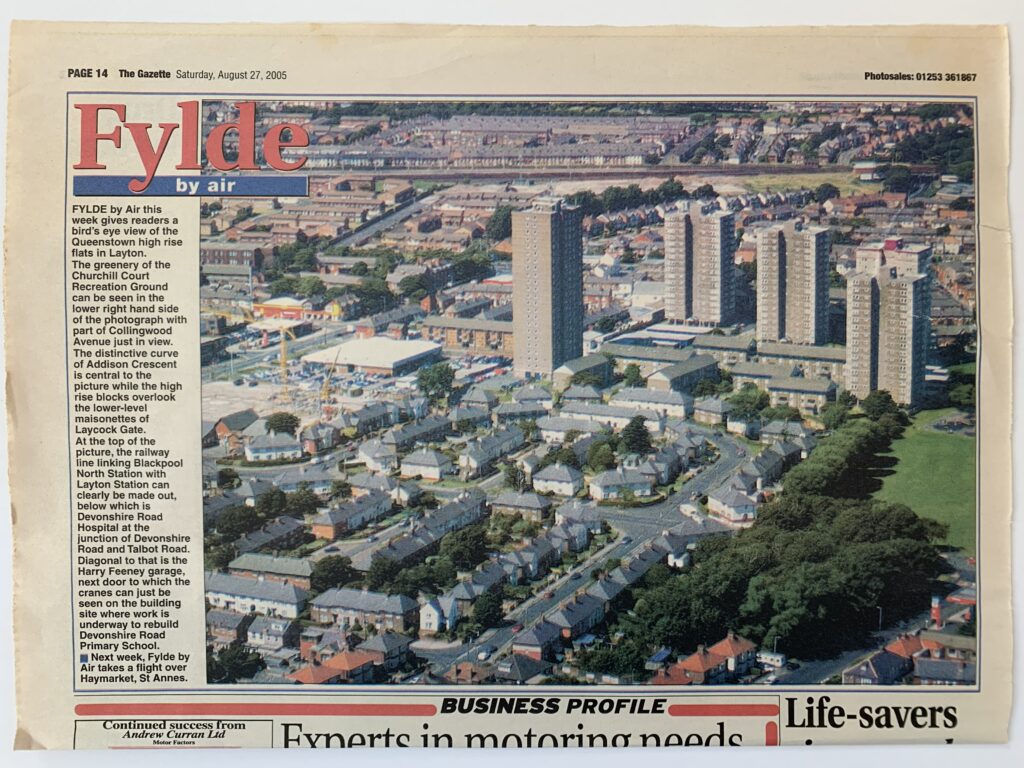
(780,182)
(935,476)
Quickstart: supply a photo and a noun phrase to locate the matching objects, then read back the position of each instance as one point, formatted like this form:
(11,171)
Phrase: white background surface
(549,12)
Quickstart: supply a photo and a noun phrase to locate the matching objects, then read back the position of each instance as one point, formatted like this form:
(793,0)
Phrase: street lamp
(879,617)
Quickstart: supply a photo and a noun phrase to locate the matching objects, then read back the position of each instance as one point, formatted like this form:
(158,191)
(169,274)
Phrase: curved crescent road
(640,524)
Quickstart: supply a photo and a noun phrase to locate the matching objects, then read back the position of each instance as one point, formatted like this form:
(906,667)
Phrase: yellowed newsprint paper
(447,387)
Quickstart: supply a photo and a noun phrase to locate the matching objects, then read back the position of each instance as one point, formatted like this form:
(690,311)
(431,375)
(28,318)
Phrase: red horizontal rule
(724,710)
(186,709)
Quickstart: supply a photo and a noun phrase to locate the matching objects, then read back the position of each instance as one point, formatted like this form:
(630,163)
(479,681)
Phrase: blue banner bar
(275,185)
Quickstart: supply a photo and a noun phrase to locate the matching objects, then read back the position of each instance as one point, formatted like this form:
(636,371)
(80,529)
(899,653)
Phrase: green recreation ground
(935,475)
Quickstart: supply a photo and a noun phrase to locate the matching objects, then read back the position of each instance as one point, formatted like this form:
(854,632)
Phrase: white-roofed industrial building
(378,355)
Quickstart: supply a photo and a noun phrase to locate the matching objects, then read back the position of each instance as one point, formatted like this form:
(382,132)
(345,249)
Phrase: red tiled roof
(314,674)
(346,661)
(702,661)
(674,675)
(905,646)
(732,646)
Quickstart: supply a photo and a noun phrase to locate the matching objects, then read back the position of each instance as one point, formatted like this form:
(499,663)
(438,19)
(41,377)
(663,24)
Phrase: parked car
(485,652)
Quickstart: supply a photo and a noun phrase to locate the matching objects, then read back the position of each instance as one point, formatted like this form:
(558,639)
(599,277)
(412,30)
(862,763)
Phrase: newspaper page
(435,387)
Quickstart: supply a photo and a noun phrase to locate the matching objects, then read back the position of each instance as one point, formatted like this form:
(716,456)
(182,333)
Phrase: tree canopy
(235,522)
(232,664)
(499,226)
(878,403)
(748,402)
(435,381)
(332,571)
(812,572)
(636,437)
(466,548)
(487,610)
(825,192)
(631,375)
(282,422)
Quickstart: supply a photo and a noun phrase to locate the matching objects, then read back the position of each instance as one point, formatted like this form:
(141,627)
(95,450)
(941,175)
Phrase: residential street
(638,524)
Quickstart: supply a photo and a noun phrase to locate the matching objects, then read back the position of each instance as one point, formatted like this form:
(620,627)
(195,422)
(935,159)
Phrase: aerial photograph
(571,393)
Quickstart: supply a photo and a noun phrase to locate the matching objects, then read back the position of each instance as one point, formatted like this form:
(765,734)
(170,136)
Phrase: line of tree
(950,147)
(617,198)
(812,574)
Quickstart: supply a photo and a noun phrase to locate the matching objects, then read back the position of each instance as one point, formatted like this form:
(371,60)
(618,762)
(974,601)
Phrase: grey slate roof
(364,600)
(520,668)
(638,352)
(519,410)
(724,343)
(652,396)
(714,405)
(531,394)
(376,448)
(526,500)
(253,487)
(619,476)
(239,420)
(814,386)
(467,413)
(564,424)
(239,586)
(785,428)
(559,473)
(385,642)
(544,633)
(280,566)
(426,458)
(371,481)
(313,474)
(268,533)
(946,670)
(688,366)
(577,610)
(584,363)
(600,410)
(763,370)
(406,434)
(883,666)
(730,496)
(580,392)
(228,620)
(480,398)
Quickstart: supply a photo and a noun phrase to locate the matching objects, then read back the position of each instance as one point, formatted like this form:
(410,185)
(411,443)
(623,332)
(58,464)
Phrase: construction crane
(283,363)
(267,327)
(237,316)
(325,391)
